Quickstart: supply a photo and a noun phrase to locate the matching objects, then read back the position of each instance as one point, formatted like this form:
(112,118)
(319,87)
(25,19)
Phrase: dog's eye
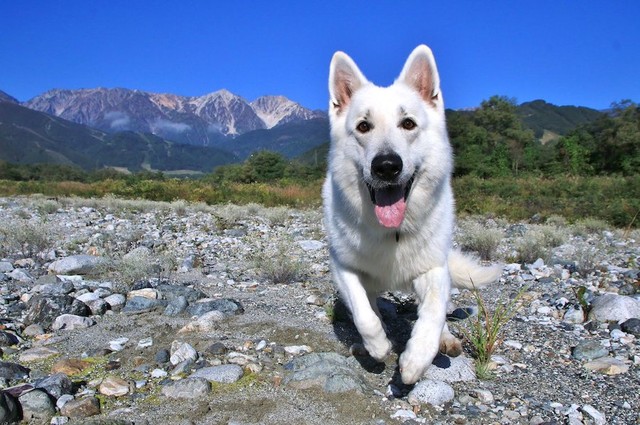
(363,127)
(408,124)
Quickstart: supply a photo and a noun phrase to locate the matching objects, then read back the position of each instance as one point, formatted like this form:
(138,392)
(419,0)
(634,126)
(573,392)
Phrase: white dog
(388,205)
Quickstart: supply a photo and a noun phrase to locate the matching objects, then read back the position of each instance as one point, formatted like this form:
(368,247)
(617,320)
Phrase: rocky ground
(121,312)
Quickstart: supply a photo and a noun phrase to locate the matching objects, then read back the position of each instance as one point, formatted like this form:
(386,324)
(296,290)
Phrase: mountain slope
(200,120)
(28,136)
(541,116)
(4,97)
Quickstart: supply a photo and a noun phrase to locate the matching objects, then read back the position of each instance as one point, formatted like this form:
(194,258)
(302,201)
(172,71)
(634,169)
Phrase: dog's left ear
(420,72)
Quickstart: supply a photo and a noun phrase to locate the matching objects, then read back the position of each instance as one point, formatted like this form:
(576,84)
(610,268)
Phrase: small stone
(11,371)
(137,305)
(574,315)
(63,399)
(298,349)
(485,396)
(162,356)
(227,306)
(118,344)
(149,293)
(158,373)
(608,366)
(631,326)
(217,348)
(405,414)
(435,393)
(7,339)
(187,388)
(5,266)
(20,275)
(37,406)
(205,324)
(516,345)
(589,350)
(76,264)
(98,307)
(33,330)
(81,408)
(116,301)
(310,245)
(176,306)
(70,367)
(56,385)
(71,322)
(145,342)
(181,351)
(114,386)
(37,353)
(598,417)
(226,374)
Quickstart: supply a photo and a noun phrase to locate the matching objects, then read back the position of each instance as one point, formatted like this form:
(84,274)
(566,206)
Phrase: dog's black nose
(386,166)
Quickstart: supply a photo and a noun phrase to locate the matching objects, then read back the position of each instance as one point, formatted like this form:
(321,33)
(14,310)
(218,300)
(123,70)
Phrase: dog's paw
(412,367)
(379,349)
(450,345)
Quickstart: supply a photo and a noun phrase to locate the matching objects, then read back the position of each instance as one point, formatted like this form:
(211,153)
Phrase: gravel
(172,303)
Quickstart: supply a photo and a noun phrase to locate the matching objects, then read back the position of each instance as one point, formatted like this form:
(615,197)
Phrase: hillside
(541,116)
(28,137)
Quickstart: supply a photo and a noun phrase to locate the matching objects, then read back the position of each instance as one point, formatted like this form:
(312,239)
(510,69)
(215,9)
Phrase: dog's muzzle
(387,194)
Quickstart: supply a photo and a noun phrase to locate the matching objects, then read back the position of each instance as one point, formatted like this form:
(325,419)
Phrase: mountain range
(197,121)
(140,130)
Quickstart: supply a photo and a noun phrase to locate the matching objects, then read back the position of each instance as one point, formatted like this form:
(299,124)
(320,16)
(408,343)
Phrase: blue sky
(579,52)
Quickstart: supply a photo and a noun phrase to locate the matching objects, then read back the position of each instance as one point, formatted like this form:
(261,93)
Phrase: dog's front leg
(364,317)
(432,289)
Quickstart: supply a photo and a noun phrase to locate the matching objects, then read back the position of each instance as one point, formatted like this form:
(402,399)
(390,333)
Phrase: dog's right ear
(344,79)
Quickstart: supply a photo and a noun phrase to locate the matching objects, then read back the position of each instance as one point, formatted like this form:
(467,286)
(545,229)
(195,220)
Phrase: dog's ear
(344,79)
(420,72)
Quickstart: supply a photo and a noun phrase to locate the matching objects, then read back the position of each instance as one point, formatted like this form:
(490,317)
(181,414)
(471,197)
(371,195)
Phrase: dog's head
(395,135)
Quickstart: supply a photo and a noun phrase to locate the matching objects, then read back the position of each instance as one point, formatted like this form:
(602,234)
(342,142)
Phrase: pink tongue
(391,215)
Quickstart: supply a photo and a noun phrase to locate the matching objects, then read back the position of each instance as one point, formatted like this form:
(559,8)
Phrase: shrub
(481,239)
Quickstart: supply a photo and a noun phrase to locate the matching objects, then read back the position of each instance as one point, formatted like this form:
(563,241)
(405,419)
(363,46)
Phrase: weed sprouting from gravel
(484,330)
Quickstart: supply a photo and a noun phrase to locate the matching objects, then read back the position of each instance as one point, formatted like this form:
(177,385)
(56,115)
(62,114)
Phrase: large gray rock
(614,308)
(187,388)
(451,369)
(9,409)
(226,374)
(76,264)
(43,309)
(37,406)
(71,321)
(331,372)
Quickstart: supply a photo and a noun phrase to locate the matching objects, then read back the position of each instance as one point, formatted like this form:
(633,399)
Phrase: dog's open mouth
(390,203)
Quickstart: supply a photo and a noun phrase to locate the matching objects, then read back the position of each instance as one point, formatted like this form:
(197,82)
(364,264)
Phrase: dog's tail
(467,273)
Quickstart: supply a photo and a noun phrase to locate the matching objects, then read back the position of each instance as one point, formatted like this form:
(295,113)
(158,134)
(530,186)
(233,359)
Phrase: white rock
(158,373)
(71,321)
(116,301)
(148,293)
(431,392)
(181,351)
(118,344)
(404,414)
(614,308)
(310,245)
(574,315)
(145,342)
(76,264)
(598,417)
(513,344)
(298,349)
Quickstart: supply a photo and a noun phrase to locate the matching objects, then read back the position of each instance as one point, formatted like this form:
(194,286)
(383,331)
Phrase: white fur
(367,258)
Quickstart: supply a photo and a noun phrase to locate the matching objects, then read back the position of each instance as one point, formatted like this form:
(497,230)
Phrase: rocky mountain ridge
(193,120)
